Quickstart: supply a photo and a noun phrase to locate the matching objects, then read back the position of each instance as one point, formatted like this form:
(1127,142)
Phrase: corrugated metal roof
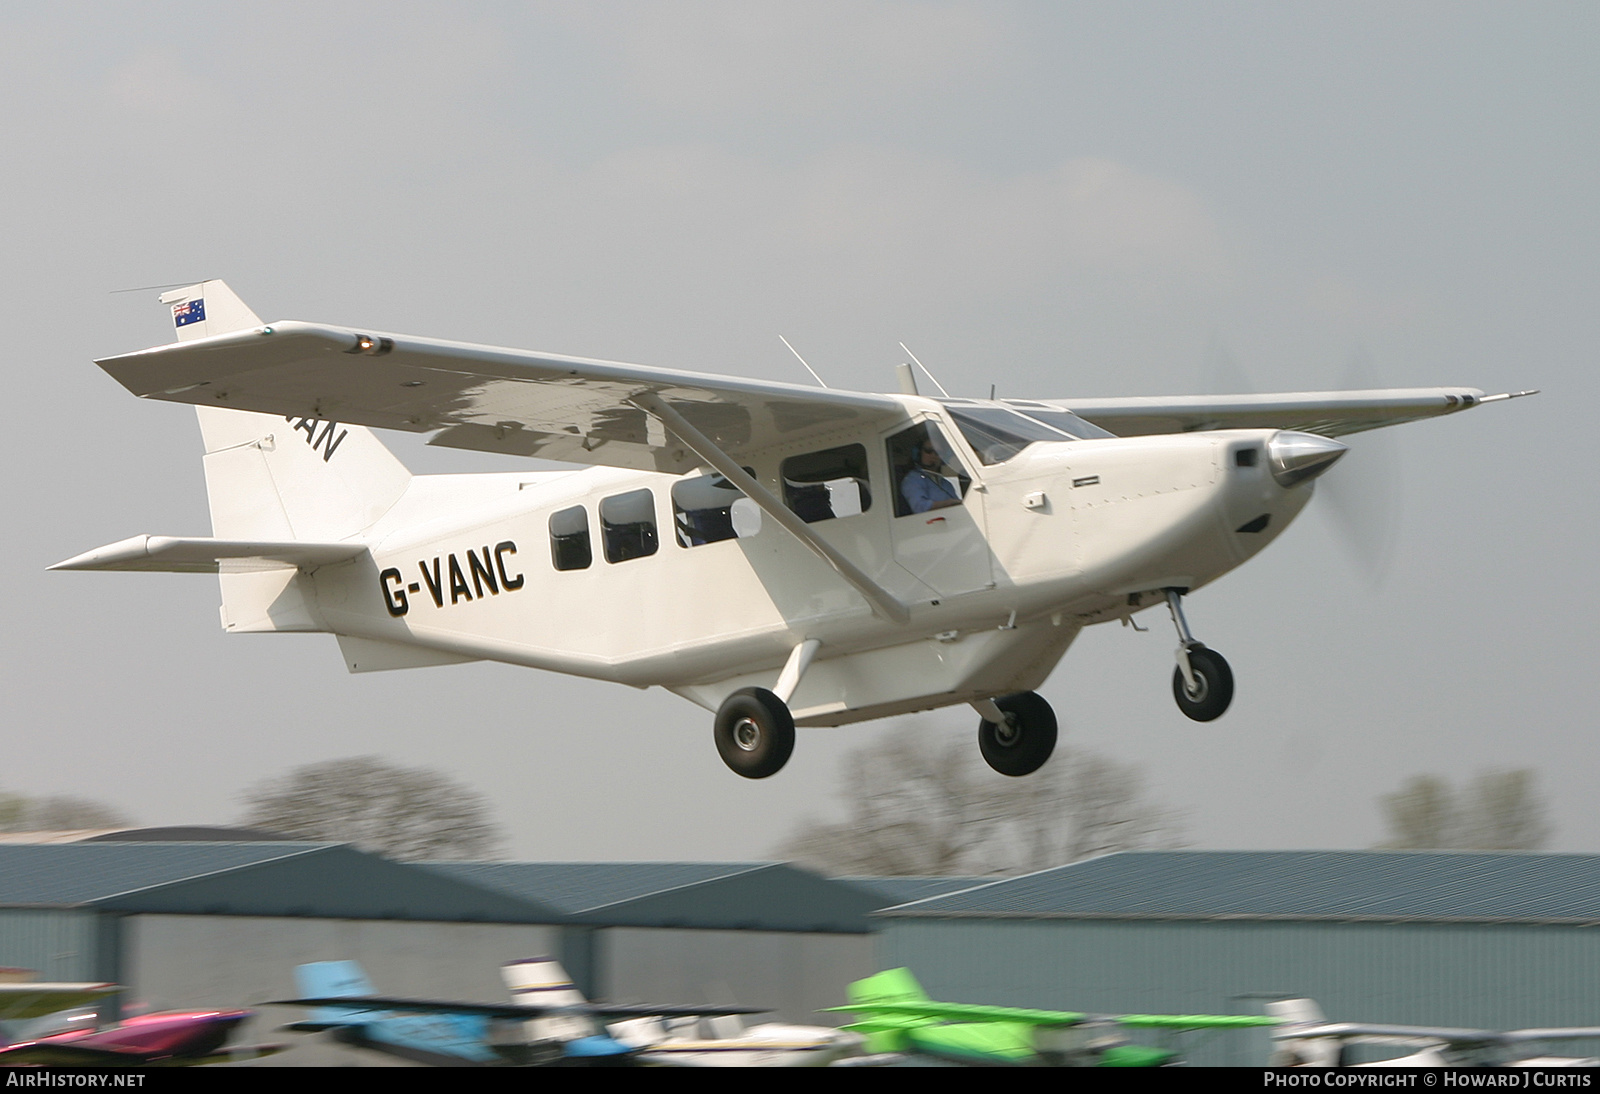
(1437,886)
(765,896)
(578,886)
(320,880)
(903,890)
(82,873)
(775,897)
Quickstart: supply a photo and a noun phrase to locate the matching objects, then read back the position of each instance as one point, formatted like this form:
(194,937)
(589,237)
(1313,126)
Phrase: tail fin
(332,980)
(890,986)
(542,981)
(888,1032)
(1289,1050)
(277,479)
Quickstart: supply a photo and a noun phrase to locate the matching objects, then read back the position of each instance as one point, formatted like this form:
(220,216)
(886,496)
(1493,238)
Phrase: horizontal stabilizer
(174,554)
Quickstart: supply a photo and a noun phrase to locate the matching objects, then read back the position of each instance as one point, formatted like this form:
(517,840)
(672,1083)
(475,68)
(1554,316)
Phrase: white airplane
(1307,1039)
(682,1040)
(781,555)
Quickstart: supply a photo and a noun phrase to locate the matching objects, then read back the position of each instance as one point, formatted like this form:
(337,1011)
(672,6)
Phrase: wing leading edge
(1327,413)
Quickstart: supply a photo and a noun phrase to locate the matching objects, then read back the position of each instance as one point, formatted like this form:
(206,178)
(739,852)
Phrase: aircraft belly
(920,675)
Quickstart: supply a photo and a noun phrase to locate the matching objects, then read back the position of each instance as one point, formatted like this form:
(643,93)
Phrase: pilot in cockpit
(923,487)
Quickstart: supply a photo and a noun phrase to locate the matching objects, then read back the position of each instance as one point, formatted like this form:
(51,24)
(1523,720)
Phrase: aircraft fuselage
(1058,536)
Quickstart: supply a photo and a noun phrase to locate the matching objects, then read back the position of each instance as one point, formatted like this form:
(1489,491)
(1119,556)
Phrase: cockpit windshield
(1059,418)
(997,434)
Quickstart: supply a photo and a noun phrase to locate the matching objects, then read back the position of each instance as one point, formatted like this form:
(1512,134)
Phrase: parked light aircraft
(900,1019)
(778,554)
(348,1009)
(1308,1039)
(76,1037)
(548,1022)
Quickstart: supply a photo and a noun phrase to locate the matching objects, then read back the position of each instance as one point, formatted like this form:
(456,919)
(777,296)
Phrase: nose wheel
(1202,683)
(1212,690)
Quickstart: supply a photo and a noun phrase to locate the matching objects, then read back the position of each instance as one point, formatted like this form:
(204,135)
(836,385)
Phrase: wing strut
(883,602)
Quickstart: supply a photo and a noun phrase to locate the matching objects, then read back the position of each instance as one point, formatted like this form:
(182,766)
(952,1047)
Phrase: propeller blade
(1361,497)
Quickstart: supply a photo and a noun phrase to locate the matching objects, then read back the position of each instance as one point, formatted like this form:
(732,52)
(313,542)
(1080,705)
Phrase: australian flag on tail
(190,311)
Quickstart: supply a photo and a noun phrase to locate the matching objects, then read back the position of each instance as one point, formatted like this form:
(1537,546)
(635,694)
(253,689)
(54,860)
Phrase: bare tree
(400,812)
(1499,811)
(1422,813)
(1505,812)
(61,813)
(917,806)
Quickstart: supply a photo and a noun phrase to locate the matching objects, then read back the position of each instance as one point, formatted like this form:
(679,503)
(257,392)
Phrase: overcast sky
(1059,199)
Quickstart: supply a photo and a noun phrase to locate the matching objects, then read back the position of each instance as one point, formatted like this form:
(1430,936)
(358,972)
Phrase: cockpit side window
(927,472)
(827,484)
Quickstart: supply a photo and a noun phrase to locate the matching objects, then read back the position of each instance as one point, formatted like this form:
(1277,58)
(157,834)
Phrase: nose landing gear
(1202,683)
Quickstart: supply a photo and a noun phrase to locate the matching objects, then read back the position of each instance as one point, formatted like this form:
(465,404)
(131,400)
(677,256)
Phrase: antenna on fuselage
(924,368)
(802,360)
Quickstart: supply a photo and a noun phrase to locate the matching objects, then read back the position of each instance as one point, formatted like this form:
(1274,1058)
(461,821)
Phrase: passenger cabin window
(827,484)
(628,525)
(702,509)
(927,472)
(569,539)
(997,434)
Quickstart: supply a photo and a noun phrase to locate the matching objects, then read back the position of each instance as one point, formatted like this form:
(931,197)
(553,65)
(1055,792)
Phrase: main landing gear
(755,732)
(754,729)
(1202,683)
(1017,734)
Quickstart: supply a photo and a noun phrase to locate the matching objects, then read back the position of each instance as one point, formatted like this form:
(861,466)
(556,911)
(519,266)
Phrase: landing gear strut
(1017,734)
(1202,683)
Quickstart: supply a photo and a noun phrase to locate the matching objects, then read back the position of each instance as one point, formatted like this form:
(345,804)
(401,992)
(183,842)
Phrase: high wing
(490,399)
(512,1011)
(1327,413)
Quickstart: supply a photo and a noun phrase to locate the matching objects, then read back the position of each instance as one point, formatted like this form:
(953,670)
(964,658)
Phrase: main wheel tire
(755,733)
(1213,689)
(1024,743)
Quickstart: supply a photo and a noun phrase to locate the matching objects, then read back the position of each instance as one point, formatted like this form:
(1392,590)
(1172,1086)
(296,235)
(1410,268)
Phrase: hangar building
(1503,940)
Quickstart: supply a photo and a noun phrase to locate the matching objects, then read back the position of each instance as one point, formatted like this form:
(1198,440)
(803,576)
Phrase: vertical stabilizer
(542,982)
(334,980)
(274,478)
(1289,1050)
